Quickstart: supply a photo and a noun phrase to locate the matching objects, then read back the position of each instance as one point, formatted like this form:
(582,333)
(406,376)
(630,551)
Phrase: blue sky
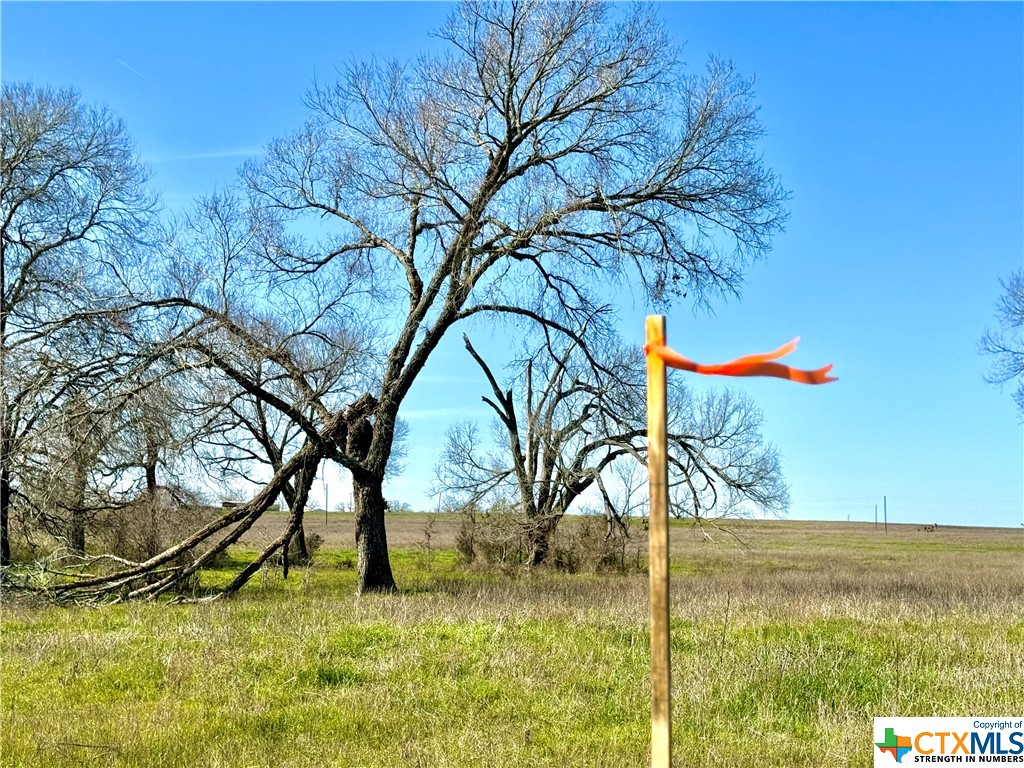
(898,128)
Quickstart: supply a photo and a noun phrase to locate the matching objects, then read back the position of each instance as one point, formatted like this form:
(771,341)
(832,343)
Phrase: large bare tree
(554,151)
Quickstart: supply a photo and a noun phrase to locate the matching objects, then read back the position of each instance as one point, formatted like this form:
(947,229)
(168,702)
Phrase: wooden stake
(657,468)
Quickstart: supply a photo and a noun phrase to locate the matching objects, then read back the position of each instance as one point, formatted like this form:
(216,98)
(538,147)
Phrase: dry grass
(783,651)
(816,568)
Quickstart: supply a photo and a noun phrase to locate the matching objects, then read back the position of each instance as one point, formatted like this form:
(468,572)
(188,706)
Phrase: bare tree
(73,206)
(1006,345)
(282,374)
(551,145)
(563,425)
(271,363)
(223,328)
(54,500)
(109,446)
(721,465)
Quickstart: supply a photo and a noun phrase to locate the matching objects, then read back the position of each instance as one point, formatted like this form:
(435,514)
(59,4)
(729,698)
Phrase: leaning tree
(553,151)
(213,332)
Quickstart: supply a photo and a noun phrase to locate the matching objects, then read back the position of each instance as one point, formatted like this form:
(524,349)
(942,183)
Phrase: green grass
(781,657)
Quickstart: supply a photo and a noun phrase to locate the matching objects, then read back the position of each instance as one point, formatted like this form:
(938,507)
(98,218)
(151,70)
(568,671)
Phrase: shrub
(493,537)
(583,544)
(500,537)
(145,527)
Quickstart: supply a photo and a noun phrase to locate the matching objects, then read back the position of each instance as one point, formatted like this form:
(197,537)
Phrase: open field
(783,651)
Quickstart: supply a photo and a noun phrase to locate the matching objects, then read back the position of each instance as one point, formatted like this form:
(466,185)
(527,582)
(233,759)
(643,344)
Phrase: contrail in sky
(130,68)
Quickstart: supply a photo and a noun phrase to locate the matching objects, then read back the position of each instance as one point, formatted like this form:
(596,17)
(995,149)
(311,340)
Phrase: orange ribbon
(748,365)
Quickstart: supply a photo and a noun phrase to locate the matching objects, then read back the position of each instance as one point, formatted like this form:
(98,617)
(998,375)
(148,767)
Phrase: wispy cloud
(213,154)
(422,414)
(133,70)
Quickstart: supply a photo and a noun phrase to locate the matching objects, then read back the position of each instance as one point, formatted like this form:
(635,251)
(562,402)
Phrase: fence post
(657,467)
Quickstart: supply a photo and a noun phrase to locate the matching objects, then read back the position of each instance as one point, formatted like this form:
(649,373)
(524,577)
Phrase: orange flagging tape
(748,365)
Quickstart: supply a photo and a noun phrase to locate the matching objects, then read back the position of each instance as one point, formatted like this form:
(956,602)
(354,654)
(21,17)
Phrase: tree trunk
(296,550)
(79,480)
(373,566)
(543,526)
(76,536)
(150,468)
(299,551)
(5,508)
(371,537)
(152,459)
(540,543)
(151,480)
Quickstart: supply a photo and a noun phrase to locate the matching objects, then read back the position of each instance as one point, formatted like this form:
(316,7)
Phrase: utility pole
(876,516)
(885,513)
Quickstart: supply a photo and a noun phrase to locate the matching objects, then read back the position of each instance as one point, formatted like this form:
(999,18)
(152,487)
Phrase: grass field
(783,651)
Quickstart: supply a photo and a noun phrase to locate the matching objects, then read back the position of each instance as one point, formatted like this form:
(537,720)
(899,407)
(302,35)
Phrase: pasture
(784,648)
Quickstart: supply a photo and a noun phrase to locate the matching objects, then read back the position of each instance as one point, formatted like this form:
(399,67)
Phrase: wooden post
(657,468)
